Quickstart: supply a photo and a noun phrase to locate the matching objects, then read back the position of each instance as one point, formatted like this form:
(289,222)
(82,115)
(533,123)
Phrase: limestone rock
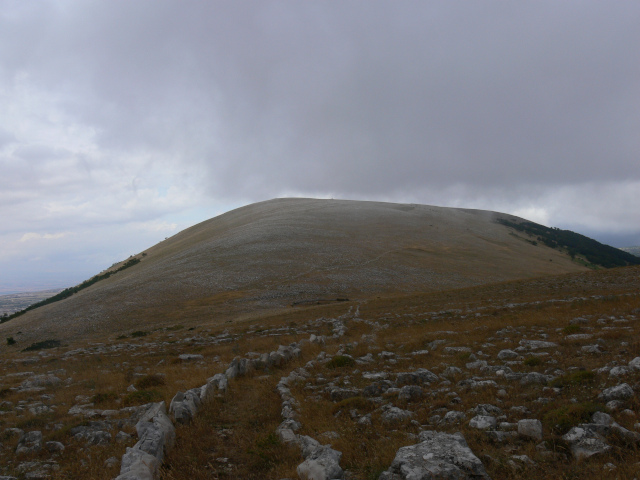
(530,428)
(507,354)
(619,392)
(138,465)
(420,377)
(184,406)
(393,415)
(410,393)
(439,455)
(483,422)
(30,442)
(585,441)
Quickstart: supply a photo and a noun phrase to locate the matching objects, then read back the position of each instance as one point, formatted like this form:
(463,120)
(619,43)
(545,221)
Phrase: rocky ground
(501,387)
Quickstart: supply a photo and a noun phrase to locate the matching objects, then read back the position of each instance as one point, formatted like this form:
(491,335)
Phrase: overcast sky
(123,122)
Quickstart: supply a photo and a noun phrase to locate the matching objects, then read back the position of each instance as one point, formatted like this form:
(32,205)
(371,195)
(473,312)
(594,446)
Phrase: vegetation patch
(571,329)
(340,361)
(43,345)
(353,403)
(142,396)
(532,361)
(579,377)
(104,397)
(150,381)
(560,420)
(10,341)
(139,333)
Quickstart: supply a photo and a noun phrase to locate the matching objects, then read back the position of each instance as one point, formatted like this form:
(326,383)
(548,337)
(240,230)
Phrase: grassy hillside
(272,255)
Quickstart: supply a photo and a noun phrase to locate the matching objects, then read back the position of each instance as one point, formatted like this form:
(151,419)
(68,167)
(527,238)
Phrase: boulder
(438,455)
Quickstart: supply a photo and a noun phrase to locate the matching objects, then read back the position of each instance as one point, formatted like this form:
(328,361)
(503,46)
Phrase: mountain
(280,254)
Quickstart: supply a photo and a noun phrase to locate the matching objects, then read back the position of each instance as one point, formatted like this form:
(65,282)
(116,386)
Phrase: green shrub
(149,381)
(340,361)
(10,341)
(139,333)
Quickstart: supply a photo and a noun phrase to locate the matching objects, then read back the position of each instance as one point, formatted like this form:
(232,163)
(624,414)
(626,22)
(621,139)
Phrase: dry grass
(241,426)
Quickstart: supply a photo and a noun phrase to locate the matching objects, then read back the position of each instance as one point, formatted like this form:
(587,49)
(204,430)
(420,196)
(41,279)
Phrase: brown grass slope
(267,256)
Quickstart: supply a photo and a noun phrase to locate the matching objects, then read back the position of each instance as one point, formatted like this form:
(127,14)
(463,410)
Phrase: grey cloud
(359,96)
(502,105)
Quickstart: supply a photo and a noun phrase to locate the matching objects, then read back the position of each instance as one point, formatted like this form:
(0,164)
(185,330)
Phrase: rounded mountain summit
(291,252)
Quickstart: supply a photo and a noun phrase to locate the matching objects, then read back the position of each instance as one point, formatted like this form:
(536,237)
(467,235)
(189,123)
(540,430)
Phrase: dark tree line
(575,244)
(67,292)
